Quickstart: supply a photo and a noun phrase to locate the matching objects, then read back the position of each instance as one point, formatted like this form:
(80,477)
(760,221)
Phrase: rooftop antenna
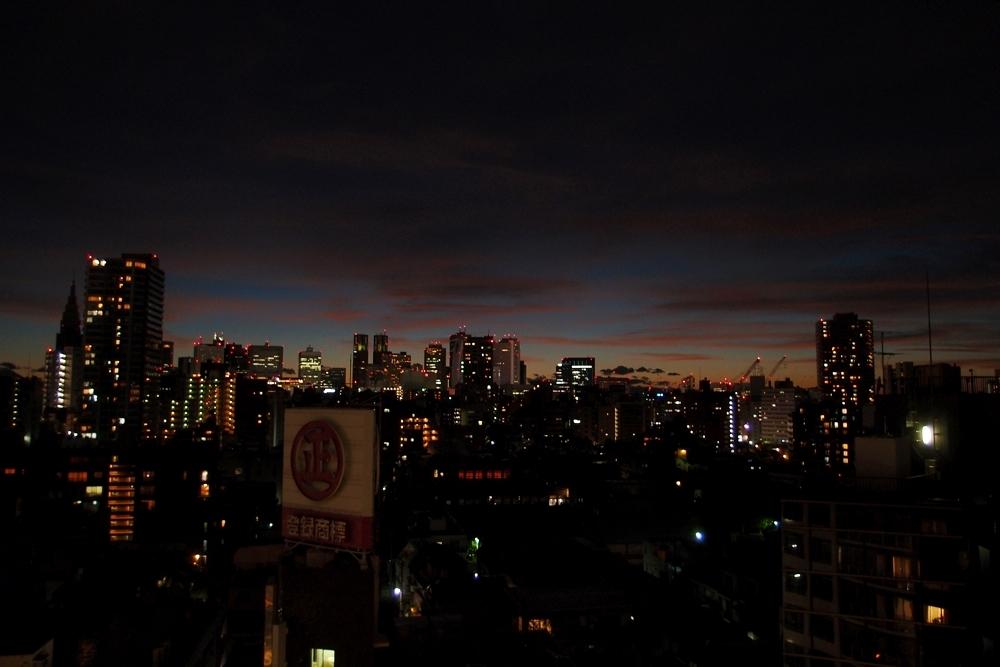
(930,346)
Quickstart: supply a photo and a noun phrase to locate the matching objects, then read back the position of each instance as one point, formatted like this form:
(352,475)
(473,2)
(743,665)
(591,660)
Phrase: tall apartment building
(122,343)
(477,363)
(359,361)
(456,345)
(64,362)
(435,365)
(507,361)
(845,375)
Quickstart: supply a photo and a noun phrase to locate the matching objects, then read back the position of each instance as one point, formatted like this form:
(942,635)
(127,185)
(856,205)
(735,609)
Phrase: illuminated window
(204,492)
(902,567)
(903,609)
(540,625)
(322,657)
(935,615)
(77,476)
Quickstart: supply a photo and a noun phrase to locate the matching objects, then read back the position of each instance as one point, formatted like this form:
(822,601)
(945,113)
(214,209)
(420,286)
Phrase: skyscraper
(266,361)
(477,363)
(434,364)
(310,366)
(507,361)
(575,372)
(381,366)
(456,343)
(845,373)
(380,351)
(213,352)
(359,361)
(122,339)
(64,361)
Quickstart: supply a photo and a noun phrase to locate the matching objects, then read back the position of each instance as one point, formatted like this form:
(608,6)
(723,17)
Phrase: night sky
(675,191)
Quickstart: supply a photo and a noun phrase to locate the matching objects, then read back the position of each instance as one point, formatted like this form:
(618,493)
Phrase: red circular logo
(317,460)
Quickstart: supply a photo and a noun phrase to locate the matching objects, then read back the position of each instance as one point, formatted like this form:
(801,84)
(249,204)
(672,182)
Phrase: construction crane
(755,366)
(781,362)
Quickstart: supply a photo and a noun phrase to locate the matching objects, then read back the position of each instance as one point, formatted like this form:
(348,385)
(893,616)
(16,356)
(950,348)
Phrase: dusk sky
(676,191)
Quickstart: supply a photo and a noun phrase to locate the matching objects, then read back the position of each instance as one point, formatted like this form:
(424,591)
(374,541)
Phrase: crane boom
(777,366)
(746,374)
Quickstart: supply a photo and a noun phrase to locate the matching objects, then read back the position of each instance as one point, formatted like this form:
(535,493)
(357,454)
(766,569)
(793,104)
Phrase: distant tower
(456,345)
(237,358)
(381,356)
(123,339)
(477,363)
(381,366)
(434,364)
(507,361)
(214,352)
(266,361)
(64,362)
(573,372)
(845,373)
(310,366)
(359,361)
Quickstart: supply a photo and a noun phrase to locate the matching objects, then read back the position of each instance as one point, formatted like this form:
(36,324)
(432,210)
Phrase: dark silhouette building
(359,361)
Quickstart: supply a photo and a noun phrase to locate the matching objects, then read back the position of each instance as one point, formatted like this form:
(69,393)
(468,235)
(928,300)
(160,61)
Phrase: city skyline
(675,192)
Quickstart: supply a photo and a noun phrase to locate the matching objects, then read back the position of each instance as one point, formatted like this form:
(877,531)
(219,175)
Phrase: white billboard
(329,477)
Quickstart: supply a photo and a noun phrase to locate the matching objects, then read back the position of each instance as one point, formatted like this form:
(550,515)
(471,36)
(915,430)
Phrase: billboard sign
(329,477)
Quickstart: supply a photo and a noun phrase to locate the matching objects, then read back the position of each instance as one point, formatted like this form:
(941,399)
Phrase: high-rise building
(381,356)
(507,361)
(122,339)
(167,358)
(64,361)
(845,373)
(477,363)
(214,352)
(310,365)
(777,409)
(575,372)
(266,360)
(435,365)
(336,378)
(456,343)
(359,361)
(237,358)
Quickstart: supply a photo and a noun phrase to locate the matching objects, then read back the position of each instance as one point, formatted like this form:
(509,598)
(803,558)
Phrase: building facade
(507,362)
(122,339)
(64,363)
(359,361)
(845,375)
(310,366)
(574,372)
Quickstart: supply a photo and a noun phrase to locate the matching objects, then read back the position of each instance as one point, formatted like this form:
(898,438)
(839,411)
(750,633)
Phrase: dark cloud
(323,168)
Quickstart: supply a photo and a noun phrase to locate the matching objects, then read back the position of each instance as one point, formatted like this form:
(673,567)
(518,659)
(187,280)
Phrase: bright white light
(396,591)
(927,435)
(698,535)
